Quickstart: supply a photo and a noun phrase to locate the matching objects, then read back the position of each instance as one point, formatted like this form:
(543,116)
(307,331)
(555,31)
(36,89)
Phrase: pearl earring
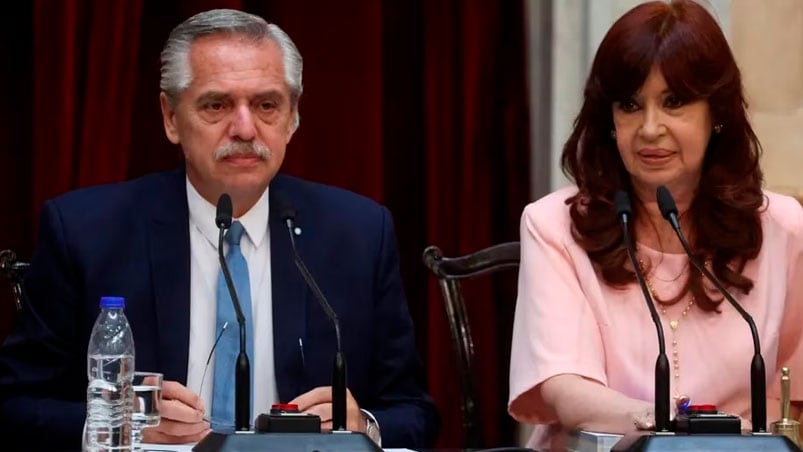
(718,128)
(613,134)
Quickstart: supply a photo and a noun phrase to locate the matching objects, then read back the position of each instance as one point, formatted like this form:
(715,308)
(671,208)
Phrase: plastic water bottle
(110,370)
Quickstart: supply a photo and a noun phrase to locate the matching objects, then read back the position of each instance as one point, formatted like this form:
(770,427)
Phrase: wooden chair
(449,271)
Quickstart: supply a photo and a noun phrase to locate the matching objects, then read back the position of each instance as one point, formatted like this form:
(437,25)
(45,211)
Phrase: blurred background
(450,112)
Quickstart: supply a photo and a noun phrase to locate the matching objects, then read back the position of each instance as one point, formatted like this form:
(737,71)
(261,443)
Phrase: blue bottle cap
(112,302)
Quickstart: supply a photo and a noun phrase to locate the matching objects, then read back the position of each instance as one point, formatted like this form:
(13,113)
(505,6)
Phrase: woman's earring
(718,128)
(613,134)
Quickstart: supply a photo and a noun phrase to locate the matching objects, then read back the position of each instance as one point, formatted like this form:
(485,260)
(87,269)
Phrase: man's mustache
(241,149)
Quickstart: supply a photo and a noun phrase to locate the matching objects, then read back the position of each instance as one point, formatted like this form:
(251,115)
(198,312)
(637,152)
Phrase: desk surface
(578,442)
(592,441)
(188,448)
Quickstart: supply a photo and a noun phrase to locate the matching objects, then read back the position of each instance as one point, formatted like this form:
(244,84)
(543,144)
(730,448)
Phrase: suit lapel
(170,272)
(289,302)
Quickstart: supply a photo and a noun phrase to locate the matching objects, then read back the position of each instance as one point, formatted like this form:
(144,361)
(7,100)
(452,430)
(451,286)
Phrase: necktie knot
(234,234)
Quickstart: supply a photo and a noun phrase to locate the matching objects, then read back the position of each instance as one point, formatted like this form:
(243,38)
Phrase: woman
(663,106)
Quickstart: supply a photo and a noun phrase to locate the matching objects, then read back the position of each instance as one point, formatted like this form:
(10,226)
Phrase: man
(230,89)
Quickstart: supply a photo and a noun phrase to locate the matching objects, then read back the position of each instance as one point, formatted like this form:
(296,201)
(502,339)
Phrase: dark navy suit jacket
(132,240)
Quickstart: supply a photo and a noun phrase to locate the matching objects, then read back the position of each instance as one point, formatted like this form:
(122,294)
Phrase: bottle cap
(112,302)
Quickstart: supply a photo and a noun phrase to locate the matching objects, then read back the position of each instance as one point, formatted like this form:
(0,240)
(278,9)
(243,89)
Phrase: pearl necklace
(673,325)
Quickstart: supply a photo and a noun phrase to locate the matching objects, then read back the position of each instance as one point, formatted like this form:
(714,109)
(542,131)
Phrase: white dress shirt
(204,270)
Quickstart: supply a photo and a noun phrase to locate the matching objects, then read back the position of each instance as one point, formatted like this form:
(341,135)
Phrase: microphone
(623,211)
(14,271)
(242,372)
(10,266)
(293,439)
(288,215)
(758,383)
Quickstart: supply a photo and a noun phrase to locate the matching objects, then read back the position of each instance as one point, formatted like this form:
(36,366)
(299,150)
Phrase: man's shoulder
(324,199)
(122,200)
(135,189)
(341,222)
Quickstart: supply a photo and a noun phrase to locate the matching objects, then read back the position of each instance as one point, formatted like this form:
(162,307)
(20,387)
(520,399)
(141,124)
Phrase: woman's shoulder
(552,204)
(549,215)
(782,214)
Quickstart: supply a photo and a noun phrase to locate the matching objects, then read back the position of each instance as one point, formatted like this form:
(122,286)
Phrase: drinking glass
(147,402)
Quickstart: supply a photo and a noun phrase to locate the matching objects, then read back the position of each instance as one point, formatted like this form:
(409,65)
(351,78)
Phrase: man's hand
(182,413)
(319,402)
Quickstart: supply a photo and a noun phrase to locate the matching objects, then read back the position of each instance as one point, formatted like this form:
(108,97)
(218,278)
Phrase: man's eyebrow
(220,96)
(211,96)
(271,93)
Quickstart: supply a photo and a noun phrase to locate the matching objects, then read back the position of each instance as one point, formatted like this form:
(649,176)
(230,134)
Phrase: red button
(707,408)
(284,407)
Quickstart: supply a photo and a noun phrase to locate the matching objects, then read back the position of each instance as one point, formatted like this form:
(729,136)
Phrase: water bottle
(110,370)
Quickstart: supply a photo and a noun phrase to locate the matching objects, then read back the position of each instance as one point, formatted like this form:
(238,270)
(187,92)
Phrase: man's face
(235,119)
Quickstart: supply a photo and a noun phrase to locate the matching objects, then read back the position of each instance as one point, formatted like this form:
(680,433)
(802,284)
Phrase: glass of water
(147,401)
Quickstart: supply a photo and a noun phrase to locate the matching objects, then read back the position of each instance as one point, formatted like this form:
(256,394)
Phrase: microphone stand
(339,365)
(662,362)
(291,441)
(703,441)
(758,383)
(242,372)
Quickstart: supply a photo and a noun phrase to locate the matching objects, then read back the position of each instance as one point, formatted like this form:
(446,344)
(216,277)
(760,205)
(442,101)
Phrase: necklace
(673,325)
(674,278)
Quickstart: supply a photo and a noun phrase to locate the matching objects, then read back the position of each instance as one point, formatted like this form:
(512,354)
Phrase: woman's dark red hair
(685,42)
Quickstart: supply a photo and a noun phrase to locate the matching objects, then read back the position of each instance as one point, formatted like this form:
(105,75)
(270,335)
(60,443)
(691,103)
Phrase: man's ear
(169,119)
(292,125)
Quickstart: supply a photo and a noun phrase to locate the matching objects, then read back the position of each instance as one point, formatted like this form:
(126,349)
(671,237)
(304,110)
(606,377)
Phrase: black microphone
(15,272)
(288,215)
(623,211)
(10,266)
(242,372)
(294,438)
(758,383)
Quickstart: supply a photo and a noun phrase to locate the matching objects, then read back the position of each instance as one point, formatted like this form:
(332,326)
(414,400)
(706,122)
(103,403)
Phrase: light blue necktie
(229,346)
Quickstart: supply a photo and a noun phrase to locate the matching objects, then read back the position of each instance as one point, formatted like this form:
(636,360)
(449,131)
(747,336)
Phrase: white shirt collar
(202,216)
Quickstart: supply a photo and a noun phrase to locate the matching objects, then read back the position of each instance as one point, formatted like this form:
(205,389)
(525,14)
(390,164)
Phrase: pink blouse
(568,321)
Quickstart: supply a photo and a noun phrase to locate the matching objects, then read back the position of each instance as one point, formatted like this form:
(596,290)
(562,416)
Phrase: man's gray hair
(176,71)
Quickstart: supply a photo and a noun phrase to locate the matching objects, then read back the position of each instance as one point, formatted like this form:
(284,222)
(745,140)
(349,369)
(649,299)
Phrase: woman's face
(661,139)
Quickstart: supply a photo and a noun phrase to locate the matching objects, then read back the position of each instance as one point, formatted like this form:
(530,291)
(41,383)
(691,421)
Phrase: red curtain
(85,65)
(420,105)
(477,145)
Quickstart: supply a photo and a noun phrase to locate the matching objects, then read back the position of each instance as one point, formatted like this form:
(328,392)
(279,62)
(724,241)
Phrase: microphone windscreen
(224,211)
(286,211)
(622,201)
(665,202)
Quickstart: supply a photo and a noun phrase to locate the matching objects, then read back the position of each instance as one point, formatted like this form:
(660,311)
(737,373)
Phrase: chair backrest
(15,271)
(449,271)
